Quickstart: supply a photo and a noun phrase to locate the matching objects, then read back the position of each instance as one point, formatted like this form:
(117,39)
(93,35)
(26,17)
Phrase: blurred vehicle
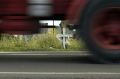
(97,21)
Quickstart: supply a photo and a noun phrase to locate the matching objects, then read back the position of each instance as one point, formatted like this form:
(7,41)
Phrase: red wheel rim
(106,28)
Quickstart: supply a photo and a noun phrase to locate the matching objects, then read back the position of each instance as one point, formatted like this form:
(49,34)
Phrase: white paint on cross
(64,37)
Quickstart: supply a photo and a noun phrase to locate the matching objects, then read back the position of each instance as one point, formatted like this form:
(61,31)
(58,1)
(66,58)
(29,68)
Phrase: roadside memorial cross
(63,36)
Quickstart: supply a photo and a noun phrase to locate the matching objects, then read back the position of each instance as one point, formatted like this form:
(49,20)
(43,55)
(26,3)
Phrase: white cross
(65,38)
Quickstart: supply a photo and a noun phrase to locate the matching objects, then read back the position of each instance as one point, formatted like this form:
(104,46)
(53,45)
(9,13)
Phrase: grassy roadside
(44,42)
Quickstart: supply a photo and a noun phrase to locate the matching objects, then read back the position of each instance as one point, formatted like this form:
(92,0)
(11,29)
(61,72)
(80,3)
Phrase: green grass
(42,42)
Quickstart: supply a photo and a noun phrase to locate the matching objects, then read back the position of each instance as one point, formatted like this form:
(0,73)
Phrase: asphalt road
(55,66)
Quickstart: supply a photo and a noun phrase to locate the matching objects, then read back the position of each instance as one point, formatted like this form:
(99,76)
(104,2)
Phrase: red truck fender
(74,10)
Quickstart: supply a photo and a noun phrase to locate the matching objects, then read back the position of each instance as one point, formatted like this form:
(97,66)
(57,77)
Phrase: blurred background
(53,36)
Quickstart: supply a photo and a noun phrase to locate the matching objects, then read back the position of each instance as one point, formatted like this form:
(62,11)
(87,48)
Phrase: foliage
(76,44)
(37,42)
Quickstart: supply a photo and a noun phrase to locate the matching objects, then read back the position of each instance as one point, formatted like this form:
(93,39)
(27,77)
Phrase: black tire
(93,6)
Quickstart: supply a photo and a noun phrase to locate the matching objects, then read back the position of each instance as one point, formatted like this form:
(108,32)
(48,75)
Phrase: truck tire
(100,29)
